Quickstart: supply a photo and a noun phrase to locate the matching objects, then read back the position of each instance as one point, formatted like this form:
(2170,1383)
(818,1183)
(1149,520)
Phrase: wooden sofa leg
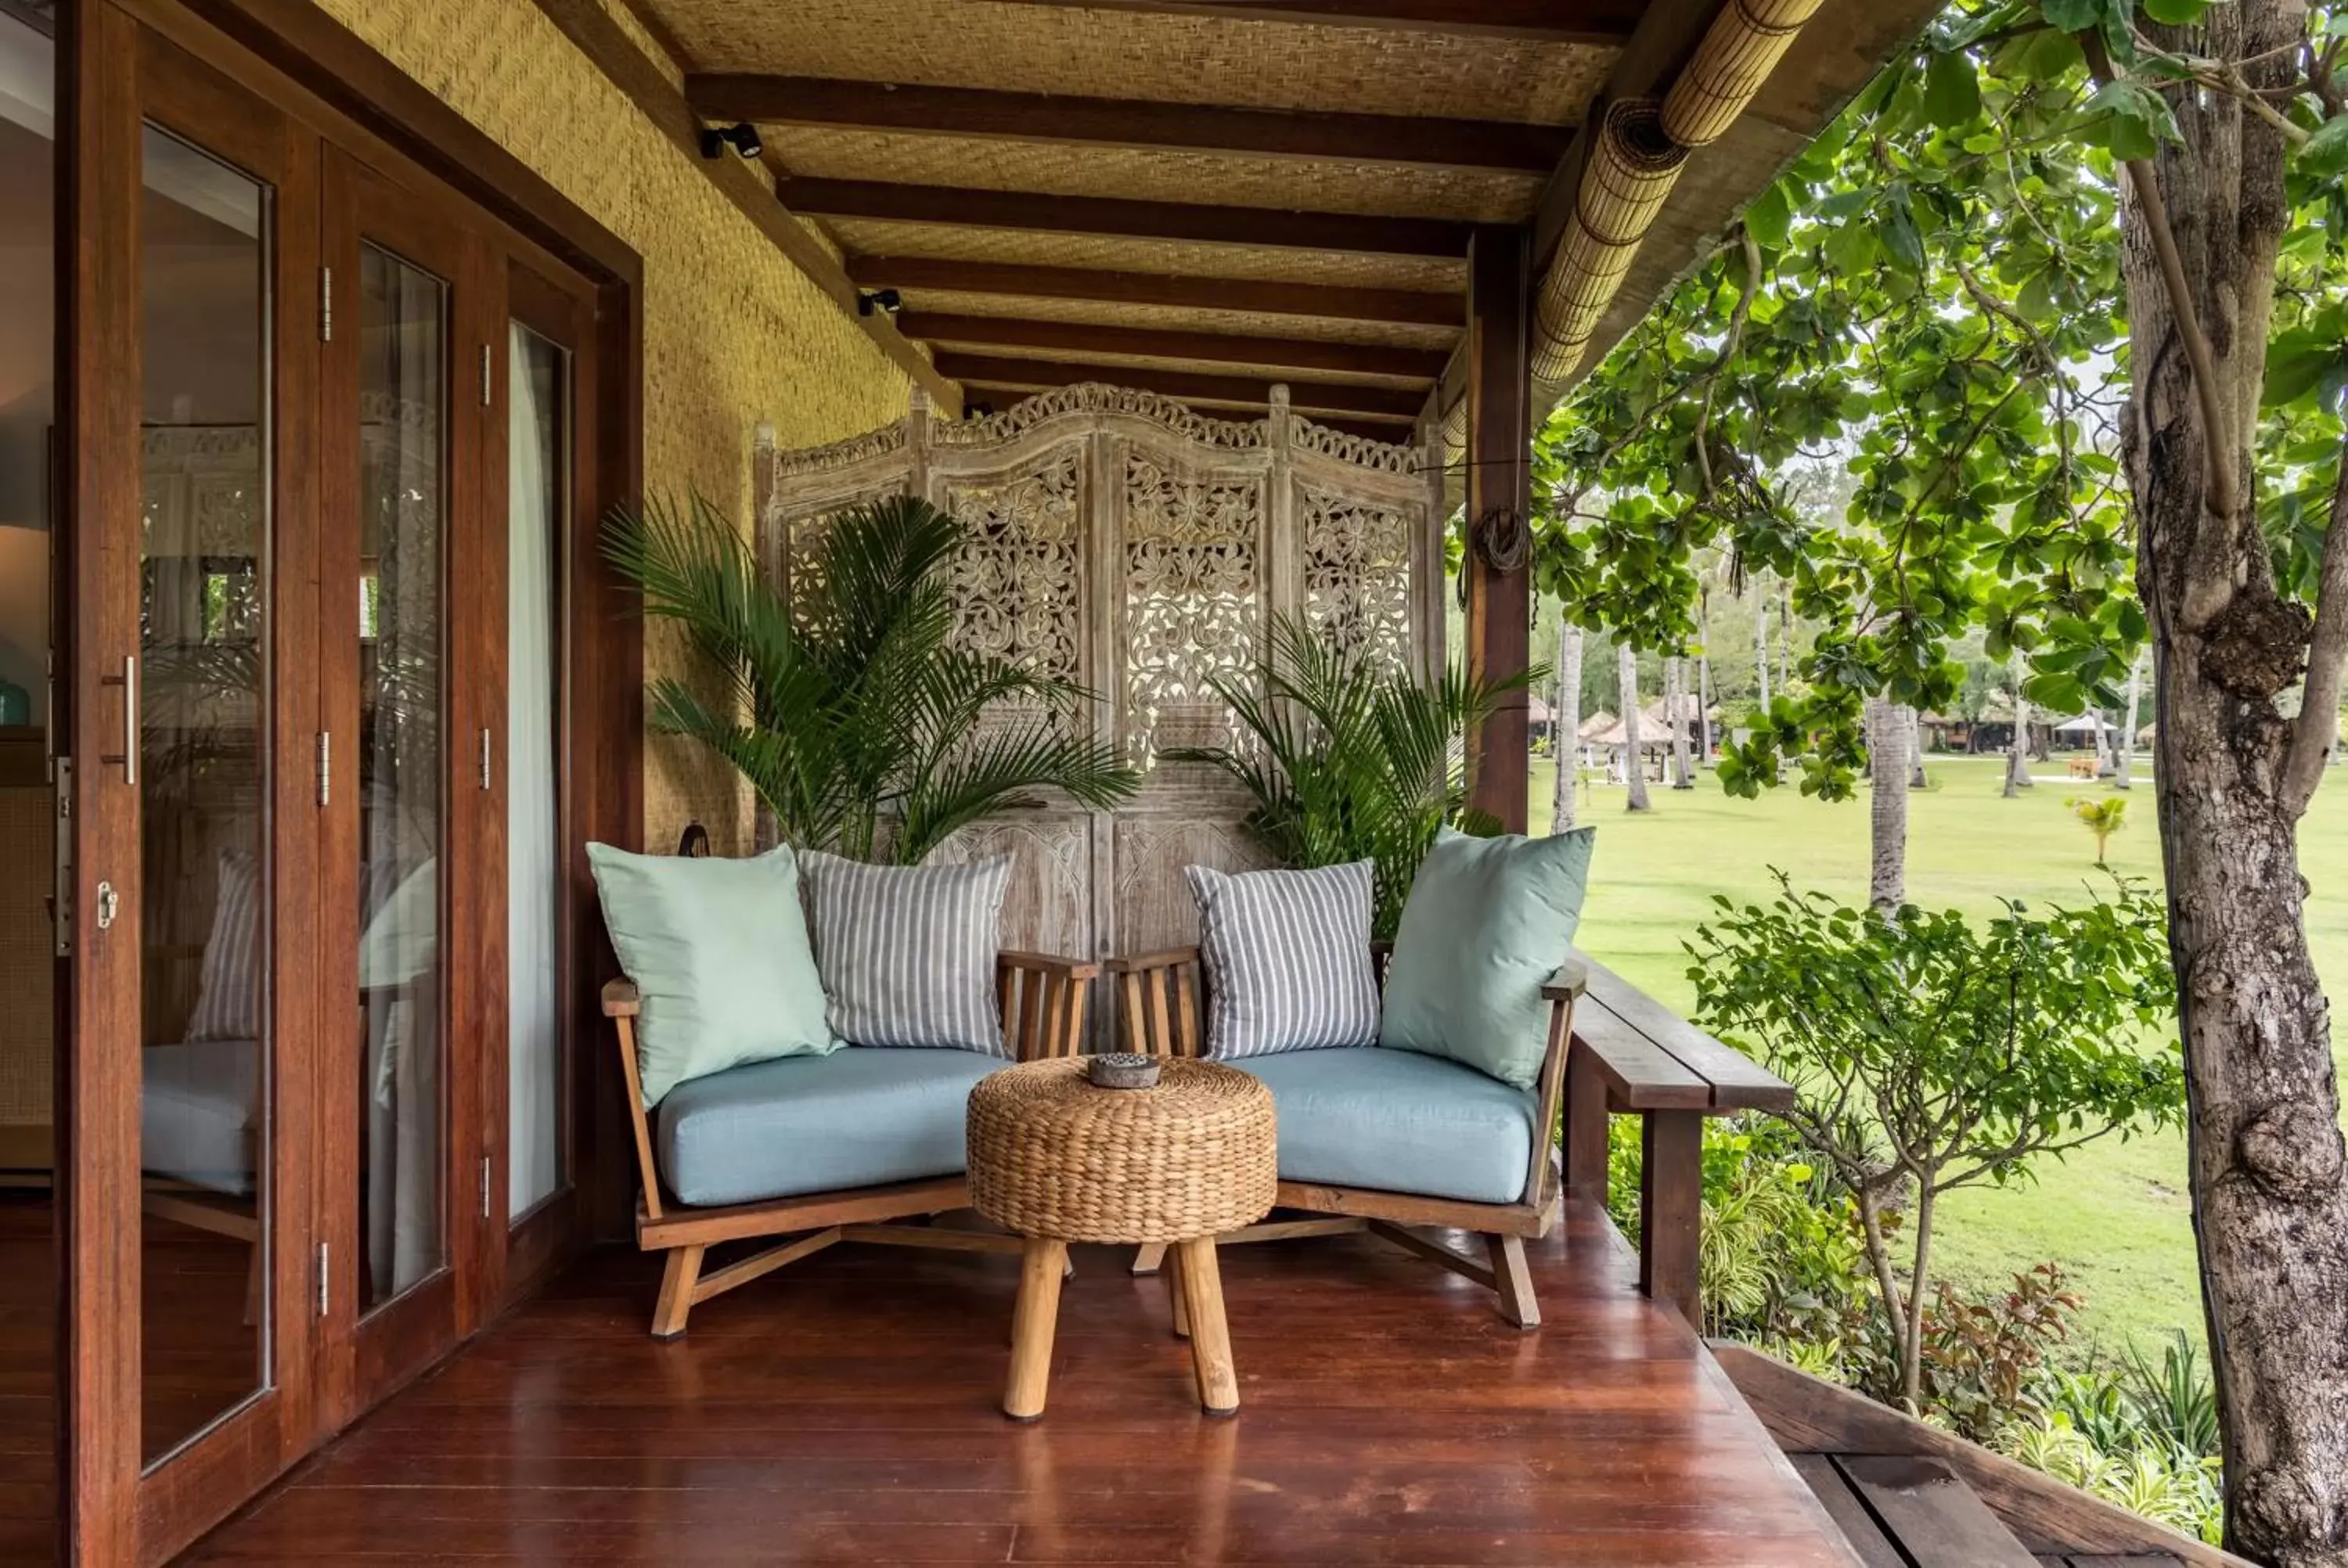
(677,1282)
(1149,1258)
(1513,1280)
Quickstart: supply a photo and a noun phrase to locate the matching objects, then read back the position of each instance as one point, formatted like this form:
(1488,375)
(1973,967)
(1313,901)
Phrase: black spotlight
(743,139)
(887,302)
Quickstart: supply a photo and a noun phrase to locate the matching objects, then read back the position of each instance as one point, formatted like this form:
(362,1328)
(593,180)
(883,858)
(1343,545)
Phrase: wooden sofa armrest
(620,999)
(1042,998)
(1171,959)
(1050,964)
(1572,979)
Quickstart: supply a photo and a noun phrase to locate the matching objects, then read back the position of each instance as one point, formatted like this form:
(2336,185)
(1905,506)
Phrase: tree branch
(2216,444)
(2318,725)
(1728,346)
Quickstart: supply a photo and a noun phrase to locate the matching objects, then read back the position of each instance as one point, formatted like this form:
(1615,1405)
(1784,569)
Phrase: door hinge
(325,1279)
(485,758)
(326,304)
(326,766)
(485,375)
(485,1186)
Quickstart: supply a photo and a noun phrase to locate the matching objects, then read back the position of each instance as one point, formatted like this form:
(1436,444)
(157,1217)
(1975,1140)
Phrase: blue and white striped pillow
(907,953)
(1288,958)
(228,1007)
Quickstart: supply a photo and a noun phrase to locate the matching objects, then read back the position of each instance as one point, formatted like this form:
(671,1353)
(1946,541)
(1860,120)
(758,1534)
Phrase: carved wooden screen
(1126,543)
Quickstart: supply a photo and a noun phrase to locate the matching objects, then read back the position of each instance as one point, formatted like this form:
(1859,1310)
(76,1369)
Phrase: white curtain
(533,868)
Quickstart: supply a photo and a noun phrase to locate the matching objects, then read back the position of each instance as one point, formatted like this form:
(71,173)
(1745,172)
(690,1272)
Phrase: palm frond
(853,703)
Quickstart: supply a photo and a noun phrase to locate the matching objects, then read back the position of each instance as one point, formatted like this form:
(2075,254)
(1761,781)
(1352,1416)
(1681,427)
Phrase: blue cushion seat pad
(1398,1121)
(861,1117)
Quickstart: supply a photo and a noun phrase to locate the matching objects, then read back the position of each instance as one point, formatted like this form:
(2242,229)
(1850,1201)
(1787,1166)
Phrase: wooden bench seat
(1632,1056)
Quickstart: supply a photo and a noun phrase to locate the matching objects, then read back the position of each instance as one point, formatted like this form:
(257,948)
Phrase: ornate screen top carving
(1018,583)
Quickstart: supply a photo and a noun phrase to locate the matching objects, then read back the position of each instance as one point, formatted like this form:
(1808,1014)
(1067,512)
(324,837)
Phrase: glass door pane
(402,365)
(198,697)
(538,517)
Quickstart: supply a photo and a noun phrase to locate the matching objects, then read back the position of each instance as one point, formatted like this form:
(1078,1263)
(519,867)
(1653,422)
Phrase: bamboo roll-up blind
(1631,168)
(1739,51)
(1634,161)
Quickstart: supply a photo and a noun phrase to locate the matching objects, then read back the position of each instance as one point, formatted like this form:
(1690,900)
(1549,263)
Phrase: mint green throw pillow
(718,948)
(1487,921)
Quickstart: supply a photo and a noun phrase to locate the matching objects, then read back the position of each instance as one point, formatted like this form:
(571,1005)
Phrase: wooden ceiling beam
(1256,296)
(1148,342)
(1380,403)
(1450,144)
(1124,217)
(1594,22)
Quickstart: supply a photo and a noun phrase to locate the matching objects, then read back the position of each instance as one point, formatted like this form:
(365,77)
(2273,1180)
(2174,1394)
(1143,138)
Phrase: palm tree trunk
(1634,770)
(1703,709)
(1761,645)
(1565,724)
(2123,775)
(1916,779)
(1785,635)
(1887,745)
(2017,756)
(1675,713)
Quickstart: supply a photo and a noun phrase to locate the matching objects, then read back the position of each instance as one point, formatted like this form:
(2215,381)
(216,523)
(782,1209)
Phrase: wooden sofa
(1161,1005)
(1612,1050)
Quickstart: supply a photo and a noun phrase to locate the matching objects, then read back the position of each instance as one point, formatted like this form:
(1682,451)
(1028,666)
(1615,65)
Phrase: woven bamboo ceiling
(1205,197)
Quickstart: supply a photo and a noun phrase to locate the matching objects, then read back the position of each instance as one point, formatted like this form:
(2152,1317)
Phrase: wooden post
(1211,1342)
(1033,1317)
(1500,506)
(1670,1199)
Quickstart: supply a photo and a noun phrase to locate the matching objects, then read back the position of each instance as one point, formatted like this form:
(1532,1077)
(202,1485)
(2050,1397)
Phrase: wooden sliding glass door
(329,433)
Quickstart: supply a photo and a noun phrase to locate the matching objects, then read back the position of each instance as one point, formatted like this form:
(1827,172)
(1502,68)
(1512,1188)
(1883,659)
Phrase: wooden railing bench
(1632,1056)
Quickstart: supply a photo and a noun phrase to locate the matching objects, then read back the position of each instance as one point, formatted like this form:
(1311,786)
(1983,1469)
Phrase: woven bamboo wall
(734,334)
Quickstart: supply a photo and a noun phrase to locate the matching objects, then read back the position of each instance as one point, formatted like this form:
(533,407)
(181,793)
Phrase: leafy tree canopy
(1931,298)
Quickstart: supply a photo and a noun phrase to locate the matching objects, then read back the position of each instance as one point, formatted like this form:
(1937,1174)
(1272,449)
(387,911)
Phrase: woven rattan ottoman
(1057,1160)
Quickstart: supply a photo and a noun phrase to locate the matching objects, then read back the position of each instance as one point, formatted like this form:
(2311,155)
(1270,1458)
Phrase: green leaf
(2325,154)
(1952,89)
(2074,15)
(2176,13)
(1770,218)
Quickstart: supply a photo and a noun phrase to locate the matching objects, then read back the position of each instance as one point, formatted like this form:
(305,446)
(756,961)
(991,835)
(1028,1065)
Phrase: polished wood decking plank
(847,1411)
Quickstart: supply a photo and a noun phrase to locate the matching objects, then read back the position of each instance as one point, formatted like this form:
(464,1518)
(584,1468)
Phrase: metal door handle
(128,680)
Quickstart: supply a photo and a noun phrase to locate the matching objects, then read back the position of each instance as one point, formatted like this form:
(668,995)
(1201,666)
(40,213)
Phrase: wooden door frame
(322,77)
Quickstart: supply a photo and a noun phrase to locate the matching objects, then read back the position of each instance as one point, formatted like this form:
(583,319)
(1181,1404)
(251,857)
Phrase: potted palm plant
(847,706)
(1346,758)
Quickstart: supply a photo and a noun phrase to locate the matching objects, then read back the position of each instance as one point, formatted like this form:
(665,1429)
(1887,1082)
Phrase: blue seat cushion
(860,1117)
(1398,1121)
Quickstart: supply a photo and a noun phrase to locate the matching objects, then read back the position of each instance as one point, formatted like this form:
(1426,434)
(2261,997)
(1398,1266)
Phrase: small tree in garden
(1933,1054)
(2104,818)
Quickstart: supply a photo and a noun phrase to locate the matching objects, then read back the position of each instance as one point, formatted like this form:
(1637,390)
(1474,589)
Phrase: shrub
(1932,1054)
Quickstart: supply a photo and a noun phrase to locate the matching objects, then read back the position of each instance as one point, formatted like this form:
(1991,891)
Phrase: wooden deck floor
(845,1411)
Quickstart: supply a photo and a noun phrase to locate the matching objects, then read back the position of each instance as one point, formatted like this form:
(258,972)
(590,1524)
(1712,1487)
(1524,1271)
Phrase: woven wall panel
(734,334)
(1181,258)
(1181,59)
(1061,168)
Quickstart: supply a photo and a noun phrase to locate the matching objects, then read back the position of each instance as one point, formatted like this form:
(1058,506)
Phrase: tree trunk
(1566,725)
(1703,710)
(1761,644)
(2271,1203)
(1785,635)
(2017,755)
(2123,775)
(1916,779)
(1887,746)
(1675,704)
(1635,772)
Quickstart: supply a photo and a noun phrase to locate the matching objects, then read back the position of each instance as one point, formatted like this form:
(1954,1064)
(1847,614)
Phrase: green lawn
(2113,1215)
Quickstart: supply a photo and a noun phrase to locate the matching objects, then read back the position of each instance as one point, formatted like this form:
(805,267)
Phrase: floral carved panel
(1357,586)
(1018,583)
(1193,601)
